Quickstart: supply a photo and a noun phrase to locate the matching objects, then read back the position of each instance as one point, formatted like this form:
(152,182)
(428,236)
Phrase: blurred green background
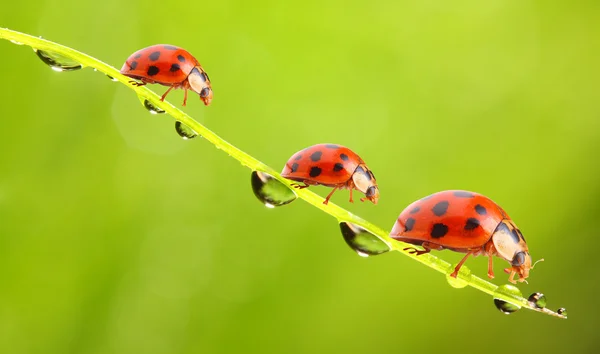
(117,236)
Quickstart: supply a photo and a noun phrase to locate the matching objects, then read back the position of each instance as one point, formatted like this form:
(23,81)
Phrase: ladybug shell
(456,220)
(162,64)
(326,164)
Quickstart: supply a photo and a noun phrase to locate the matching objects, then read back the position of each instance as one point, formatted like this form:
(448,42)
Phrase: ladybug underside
(146,80)
(475,251)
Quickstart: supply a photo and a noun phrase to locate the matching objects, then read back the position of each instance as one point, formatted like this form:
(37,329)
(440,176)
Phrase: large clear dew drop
(270,191)
(57,62)
(362,241)
(184,131)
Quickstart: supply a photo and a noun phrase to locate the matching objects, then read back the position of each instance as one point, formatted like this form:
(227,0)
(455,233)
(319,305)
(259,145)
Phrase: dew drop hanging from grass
(57,62)
(270,191)
(184,131)
(538,300)
(504,306)
(363,242)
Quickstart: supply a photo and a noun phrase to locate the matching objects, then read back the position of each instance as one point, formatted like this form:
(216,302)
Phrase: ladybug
(332,166)
(465,222)
(169,66)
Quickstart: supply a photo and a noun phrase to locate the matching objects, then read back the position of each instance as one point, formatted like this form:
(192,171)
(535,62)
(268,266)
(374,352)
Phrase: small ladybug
(332,166)
(465,222)
(169,66)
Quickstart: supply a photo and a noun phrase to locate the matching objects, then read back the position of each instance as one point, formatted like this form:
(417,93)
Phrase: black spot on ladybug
(344,157)
(138,55)
(170,47)
(298,157)
(338,167)
(440,208)
(471,224)
(174,68)
(332,146)
(415,210)
(463,194)
(480,209)
(154,56)
(294,167)
(314,171)
(152,70)
(518,259)
(133,65)
(181,58)
(409,224)
(439,230)
(316,156)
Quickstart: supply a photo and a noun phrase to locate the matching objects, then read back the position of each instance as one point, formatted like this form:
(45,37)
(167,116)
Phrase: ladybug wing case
(448,221)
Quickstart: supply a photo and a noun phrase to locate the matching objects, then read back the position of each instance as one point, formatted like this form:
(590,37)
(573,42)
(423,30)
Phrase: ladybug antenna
(536,262)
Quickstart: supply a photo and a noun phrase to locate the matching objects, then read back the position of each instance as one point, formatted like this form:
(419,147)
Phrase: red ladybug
(332,166)
(465,222)
(169,66)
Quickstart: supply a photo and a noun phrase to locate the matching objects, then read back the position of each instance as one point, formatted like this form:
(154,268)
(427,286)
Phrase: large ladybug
(169,66)
(332,166)
(465,222)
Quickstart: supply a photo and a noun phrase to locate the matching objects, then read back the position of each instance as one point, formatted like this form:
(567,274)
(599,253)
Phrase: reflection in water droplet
(504,306)
(362,241)
(150,106)
(15,42)
(184,131)
(58,62)
(562,311)
(538,300)
(270,191)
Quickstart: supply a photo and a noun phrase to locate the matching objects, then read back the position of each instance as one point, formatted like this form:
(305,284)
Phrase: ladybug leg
(296,185)
(460,264)
(352,201)
(416,251)
(184,95)
(137,83)
(490,267)
(427,248)
(329,195)
(512,275)
(165,94)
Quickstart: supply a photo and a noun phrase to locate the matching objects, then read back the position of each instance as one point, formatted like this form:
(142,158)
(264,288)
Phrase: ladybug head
(521,264)
(372,194)
(364,181)
(199,83)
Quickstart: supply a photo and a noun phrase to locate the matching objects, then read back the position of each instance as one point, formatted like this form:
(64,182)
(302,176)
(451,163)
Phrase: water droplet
(562,311)
(57,62)
(462,280)
(270,191)
(504,306)
(15,42)
(362,241)
(150,106)
(538,300)
(184,131)
(111,78)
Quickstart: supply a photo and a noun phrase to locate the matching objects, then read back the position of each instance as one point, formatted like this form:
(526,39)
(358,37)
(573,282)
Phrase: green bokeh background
(116,236)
